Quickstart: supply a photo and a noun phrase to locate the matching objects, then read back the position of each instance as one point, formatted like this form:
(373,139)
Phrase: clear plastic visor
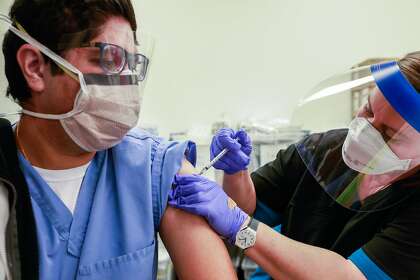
(108,60)
(372,144)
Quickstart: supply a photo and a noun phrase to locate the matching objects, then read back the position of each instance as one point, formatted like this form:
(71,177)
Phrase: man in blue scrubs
(98,185)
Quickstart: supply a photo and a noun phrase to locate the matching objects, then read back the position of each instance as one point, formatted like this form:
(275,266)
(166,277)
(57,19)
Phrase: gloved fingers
(215,148)
(201,196)
(189,189)
(196,198)
(187,179)
(173,203)
(221,165)
(232,165)
(189,184)
(247,150)
(190,203)
(186,207)
(239,162)
(225,138)
(193,209)
(243,137)
(172,195)
(245,141)
(242,159)
(225,131)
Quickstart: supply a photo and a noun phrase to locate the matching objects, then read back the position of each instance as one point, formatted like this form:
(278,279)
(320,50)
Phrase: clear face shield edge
(111,71)
(365,161)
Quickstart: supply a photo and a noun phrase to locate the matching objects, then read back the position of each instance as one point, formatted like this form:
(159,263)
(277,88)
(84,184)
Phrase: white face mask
(105,109)
(101,117)
(365,151)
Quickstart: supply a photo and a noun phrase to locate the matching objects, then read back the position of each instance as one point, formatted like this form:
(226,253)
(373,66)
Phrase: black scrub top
(389,236)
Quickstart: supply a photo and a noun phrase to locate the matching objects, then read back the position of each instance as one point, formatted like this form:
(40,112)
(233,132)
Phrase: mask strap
(67,71)
(62,63)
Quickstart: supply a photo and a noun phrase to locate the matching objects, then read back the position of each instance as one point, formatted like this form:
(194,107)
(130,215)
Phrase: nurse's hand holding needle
(229,151)
(238,146)
(231,159)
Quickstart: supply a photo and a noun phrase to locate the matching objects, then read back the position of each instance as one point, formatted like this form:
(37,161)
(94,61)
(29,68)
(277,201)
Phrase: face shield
(367,165)
(110,64)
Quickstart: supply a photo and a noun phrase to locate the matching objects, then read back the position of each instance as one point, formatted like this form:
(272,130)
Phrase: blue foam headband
(399,92)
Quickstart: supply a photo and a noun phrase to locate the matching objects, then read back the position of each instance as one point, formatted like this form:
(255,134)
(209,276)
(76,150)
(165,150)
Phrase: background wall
(241,59)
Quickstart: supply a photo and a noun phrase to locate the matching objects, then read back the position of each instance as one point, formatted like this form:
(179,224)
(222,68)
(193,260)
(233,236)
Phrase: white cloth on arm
(4,218)
(65,183)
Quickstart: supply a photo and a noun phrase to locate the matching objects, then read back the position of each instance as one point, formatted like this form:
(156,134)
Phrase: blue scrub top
(112,234)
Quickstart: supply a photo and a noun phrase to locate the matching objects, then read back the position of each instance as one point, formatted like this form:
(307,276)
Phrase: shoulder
(140,141)
(311,145)
(320,145)
(326,139)
(141,136)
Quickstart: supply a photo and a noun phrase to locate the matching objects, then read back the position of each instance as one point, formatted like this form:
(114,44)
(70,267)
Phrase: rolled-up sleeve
(166,163)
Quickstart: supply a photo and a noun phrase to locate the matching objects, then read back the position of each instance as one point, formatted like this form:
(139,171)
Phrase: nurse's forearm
(195,249)
(240,188)
(284,258)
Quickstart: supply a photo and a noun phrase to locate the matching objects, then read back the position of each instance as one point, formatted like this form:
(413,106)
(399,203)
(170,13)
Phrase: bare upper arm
(186,168)
(195,249)
(356,273)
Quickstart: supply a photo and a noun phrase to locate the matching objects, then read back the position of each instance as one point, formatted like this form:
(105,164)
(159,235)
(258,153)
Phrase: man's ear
(32,65)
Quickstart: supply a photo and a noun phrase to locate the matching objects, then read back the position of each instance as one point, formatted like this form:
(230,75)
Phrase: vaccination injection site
(209,140)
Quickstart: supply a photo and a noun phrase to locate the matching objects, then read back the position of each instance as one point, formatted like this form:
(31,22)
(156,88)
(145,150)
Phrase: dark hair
(410,67)
(47,21)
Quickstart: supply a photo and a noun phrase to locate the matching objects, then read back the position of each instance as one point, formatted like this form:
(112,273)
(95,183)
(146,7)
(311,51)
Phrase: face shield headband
(398,91)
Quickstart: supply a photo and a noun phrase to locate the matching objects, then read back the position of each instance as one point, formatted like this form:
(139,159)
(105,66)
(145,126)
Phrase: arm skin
(195,249)
(284,258)
(240,188)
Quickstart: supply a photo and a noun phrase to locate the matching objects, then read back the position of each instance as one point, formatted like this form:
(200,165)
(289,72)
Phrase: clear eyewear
(114,59)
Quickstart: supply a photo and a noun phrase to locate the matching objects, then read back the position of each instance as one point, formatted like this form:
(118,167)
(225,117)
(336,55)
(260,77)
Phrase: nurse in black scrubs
(347,200)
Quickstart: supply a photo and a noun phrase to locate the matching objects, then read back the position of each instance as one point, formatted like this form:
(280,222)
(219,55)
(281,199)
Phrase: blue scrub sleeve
(370,269)
(166,163)
(266,215)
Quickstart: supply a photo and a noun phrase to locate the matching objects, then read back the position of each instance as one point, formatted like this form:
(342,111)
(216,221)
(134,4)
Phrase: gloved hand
(240,148)
(200,196)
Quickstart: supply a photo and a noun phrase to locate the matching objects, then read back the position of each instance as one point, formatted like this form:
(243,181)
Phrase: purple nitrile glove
(240,148)
(200,196)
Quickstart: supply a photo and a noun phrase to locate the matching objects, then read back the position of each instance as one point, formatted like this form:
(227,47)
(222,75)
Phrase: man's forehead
(116,34)
(112,35)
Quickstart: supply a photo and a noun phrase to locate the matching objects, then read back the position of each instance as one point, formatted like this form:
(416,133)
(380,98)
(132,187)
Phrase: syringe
(211,163)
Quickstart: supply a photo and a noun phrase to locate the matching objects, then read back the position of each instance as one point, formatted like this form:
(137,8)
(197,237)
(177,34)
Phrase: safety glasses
(114,59)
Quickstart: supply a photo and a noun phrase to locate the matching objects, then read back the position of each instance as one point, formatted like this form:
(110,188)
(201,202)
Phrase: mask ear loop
(63,64)
(67,67)
(67,71)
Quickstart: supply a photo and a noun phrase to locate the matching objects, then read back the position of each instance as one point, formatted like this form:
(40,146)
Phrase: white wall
(244,58)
